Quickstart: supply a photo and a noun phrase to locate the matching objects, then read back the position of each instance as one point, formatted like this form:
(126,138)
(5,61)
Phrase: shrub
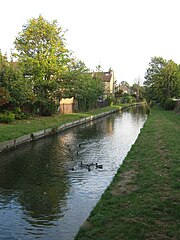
(177,107)
(19,114)
(4,96)
(169,104)
(45,107)
(127,98)
(7,117)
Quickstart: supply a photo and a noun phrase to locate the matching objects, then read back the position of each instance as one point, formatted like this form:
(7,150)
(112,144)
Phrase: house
(124,89)
(108,80)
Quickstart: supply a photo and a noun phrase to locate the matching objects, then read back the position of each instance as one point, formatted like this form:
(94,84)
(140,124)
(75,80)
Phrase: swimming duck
(86,166)
(99,165)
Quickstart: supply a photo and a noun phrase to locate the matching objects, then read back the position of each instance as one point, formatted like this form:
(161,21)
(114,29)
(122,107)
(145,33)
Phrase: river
(46,189)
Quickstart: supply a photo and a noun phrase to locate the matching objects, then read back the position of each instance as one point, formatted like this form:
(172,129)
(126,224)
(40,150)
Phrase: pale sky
(121,34)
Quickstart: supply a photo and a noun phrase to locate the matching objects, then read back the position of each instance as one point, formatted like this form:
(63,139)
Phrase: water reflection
(46,193)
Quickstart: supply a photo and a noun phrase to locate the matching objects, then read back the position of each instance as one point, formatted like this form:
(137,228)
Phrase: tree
(78,82)
(88,91)
(41,49)
(42,53)
(14,89)
(162,80)
(124,83)
(69,79)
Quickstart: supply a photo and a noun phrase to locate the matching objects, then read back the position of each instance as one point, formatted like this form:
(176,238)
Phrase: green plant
(169,104)
(19,114)
(7,117)
(45,107)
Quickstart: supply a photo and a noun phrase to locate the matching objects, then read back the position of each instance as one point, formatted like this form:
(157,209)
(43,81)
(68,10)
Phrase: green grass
(143,200)
(22,127)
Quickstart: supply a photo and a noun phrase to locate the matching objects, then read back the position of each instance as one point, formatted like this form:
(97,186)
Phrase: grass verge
(143,200)
(22,127)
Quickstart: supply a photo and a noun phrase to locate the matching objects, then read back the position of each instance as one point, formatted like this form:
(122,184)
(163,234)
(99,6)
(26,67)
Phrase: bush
(7,117)
(19,114)
(127,98)
(177,107)
(45,107)
(169,104)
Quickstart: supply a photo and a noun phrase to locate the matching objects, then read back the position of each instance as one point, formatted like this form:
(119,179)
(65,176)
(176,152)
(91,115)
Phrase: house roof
(104,76)
(124,88)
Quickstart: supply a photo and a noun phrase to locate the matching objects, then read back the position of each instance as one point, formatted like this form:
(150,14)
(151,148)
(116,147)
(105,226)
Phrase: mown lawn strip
(143,200)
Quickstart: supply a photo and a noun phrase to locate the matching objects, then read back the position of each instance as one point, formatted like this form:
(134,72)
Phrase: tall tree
(162,80)
(41,50)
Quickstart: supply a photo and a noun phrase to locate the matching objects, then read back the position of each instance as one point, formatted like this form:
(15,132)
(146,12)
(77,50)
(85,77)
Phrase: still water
(45,191)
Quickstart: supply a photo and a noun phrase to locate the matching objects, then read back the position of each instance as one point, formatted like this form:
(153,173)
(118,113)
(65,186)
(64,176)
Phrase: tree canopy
(41,49)
(162,80)
(14,89)
(44,71)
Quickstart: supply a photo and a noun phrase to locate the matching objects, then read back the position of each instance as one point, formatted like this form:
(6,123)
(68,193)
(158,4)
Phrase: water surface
(45,193)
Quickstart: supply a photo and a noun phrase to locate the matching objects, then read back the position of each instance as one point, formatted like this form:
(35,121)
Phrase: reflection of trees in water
(38,179)
(102,126)
(140,110)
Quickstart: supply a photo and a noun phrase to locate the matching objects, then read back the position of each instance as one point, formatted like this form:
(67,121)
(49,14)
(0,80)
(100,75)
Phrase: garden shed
(68,105)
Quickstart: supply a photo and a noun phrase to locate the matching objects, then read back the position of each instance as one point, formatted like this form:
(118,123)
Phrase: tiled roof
(104,76)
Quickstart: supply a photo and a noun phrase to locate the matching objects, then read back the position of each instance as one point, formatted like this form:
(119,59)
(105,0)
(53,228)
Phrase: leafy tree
(124,83)
(137,91)
(162,80)
(78,82)
(14,89)
(4,96)
(88,91)
(41,50)
(69,79)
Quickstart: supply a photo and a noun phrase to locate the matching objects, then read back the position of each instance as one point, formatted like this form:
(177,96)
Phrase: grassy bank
(143,200)
(22,127)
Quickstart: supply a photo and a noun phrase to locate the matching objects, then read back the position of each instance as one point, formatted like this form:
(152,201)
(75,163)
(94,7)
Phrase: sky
(120,34)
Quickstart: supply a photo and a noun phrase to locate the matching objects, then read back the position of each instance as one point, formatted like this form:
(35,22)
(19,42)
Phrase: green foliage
(126,98)
(88,91)
(7,117)
(19,115)
(45,107)
(15,89)
(169,104)
(45,72)
(41,49)
(43,56)
(4,96)
(78,82)
(162,80)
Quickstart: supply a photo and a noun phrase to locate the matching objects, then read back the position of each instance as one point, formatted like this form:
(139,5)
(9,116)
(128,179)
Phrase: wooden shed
(68,105)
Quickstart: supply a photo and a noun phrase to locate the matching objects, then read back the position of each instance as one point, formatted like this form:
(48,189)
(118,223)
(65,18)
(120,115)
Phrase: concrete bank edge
(17,142)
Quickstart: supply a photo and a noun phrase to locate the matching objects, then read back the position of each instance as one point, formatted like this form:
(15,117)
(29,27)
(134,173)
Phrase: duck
(99,166)
(88,166)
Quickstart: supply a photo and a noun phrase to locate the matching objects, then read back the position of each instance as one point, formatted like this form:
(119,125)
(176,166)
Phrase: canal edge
(20,141)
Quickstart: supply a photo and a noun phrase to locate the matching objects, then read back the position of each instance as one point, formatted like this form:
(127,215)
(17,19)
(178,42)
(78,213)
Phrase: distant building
(108,80)
(124,89)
